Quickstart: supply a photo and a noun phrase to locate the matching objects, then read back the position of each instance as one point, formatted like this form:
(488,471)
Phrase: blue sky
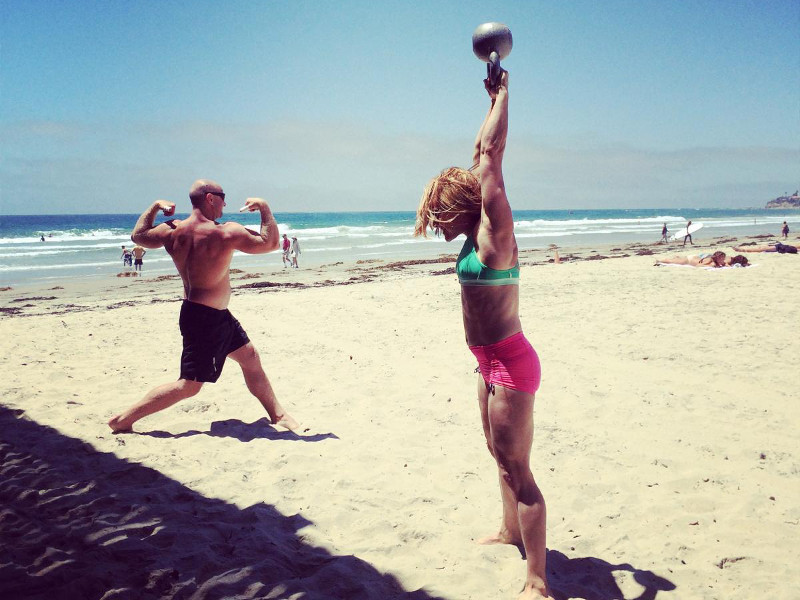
(353,105)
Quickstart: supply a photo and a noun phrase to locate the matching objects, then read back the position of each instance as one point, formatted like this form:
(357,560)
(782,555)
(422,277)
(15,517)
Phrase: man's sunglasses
(220,194)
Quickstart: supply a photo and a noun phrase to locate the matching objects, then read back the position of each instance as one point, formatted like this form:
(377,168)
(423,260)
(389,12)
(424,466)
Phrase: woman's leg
(675,260)
(510,417)
(509,527)
(754,249)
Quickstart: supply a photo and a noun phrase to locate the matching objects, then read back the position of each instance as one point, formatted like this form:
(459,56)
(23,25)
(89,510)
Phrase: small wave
(69,237)
(329,249)
(548,234)
(81,265)
(39,246)
(37,253)
(339,230)
(571,223)
(15,251)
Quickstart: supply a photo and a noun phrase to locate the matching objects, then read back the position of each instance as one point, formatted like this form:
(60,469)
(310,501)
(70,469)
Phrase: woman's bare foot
(532,594)
(117,426)
(535,590)
(501,537)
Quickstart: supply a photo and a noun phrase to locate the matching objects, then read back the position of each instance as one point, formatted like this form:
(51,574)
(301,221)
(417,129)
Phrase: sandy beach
(666,436)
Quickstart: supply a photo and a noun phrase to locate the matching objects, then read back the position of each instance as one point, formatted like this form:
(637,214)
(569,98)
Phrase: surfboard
(684,232)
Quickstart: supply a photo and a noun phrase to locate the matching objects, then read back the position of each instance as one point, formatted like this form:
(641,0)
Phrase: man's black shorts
(209,335)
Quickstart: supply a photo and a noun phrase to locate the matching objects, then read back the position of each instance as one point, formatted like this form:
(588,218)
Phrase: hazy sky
(353,105)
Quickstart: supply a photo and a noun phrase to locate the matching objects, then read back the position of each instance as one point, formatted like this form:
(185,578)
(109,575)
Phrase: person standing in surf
(474,203)
(127,257)
(138,257)
(295,252)
(285,245)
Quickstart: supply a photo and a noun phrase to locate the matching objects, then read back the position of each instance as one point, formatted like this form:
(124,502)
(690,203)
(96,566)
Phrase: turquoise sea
(90,245)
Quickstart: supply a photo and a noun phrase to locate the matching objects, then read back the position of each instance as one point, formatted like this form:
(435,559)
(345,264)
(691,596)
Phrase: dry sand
(666,437)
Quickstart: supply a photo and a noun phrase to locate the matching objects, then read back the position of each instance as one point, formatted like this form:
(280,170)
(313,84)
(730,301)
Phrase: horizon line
(305,212)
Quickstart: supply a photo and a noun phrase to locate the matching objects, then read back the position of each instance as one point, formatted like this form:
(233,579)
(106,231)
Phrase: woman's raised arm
(496,212)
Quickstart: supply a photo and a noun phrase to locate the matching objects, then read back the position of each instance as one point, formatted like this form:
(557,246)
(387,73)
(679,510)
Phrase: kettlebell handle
(493,70)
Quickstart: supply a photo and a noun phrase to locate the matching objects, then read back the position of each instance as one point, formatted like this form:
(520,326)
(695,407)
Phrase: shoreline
(125,289)
(366,236)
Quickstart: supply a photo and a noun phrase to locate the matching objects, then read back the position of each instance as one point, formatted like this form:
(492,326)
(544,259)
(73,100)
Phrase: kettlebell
(490,43)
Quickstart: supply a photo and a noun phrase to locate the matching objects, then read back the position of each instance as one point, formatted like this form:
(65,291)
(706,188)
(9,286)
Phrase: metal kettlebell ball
(490,43)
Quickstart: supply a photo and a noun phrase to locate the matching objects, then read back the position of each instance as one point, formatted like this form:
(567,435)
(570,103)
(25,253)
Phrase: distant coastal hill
(792,201)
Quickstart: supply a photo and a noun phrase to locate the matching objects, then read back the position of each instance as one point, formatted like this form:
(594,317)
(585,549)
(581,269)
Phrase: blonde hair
(455,191)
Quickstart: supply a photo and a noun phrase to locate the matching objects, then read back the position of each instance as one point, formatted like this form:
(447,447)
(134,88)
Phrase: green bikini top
(471,271)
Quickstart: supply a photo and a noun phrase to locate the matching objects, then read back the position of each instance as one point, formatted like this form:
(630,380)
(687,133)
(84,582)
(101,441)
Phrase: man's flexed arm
(145,233)
(266,240)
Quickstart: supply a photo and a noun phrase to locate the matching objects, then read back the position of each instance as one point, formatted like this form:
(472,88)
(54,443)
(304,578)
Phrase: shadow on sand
(593,579)
(78,523)
(244,432)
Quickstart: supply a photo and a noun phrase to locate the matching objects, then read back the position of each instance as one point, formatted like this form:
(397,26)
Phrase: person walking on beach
(785,230)
(664,234)
(127,257)
(202,250)
(286,244)
(688,235)
(474,202)
(138,256)
(295,252)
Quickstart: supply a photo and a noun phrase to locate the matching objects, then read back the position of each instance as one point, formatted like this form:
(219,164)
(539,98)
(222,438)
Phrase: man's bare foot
(117,427)
(500,538)
(287,422)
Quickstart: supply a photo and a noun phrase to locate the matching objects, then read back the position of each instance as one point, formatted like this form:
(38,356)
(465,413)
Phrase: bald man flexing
(202,250)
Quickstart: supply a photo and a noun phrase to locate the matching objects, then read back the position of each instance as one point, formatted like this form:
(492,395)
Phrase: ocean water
(90,245)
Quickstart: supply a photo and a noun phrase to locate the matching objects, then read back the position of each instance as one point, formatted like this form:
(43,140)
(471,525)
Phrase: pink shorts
(511,363)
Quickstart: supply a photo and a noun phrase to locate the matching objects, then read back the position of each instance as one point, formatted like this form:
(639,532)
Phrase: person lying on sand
(716,260)
(202,250)
(777,247)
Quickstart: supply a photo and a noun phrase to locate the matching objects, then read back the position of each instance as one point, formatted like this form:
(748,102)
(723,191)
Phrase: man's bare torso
(202,250)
